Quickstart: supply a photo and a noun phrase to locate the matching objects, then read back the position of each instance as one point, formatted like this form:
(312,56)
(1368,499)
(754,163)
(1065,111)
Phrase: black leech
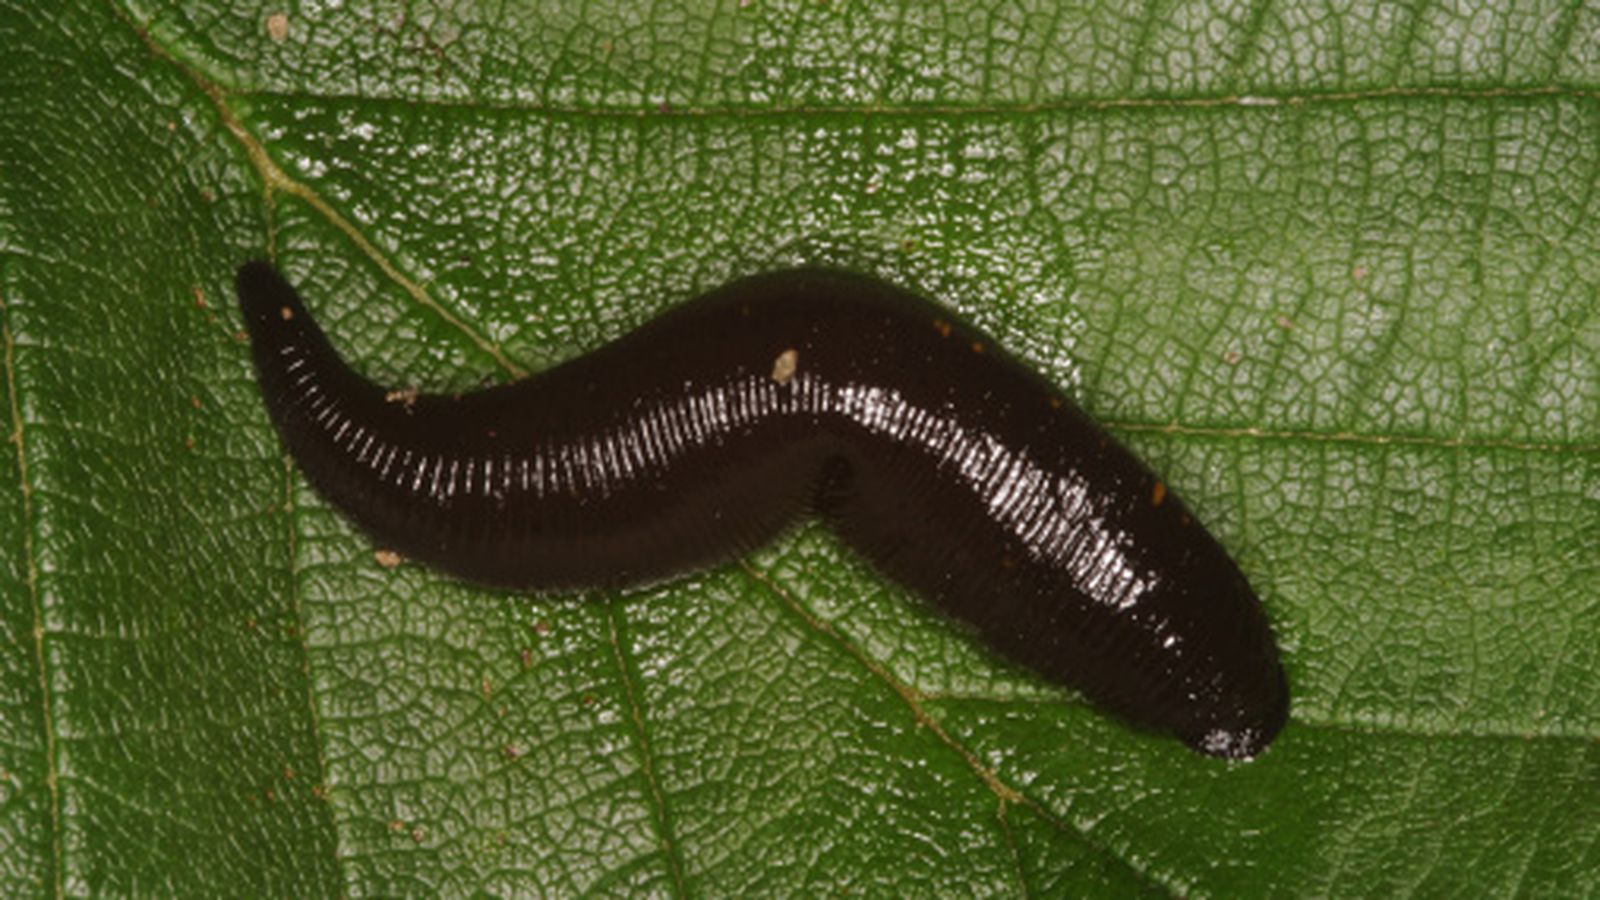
(937,457)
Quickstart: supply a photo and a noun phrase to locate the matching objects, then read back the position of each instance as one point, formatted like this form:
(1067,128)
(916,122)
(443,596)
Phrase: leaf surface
(1330,268)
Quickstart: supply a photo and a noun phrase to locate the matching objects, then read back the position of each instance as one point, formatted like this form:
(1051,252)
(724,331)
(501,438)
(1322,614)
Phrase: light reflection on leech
(1050,514)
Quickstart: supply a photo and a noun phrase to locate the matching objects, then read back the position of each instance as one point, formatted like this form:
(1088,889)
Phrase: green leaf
(1330,267)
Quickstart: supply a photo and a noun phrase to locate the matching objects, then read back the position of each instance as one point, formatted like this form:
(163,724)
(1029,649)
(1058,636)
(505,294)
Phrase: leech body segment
(949,466)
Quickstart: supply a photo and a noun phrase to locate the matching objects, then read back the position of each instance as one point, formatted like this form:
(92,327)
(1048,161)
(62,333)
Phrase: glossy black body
(949,466)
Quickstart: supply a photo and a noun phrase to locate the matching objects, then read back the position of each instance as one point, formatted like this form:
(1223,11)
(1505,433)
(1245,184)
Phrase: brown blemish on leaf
(1284,322)
(1232,357)
(527,658)
(485,688)
(199,295)
(784,366)
(278,26)
(387,558)
(511,751)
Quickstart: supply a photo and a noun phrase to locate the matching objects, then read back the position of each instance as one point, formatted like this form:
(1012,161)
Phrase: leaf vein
(658,803)
(276,179)
(1384,724)
(913,701)
(1072,105)
(1251,432)
(302,643)
(30,556)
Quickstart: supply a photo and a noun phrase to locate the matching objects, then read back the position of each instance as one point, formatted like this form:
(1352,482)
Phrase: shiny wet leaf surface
(1329,269)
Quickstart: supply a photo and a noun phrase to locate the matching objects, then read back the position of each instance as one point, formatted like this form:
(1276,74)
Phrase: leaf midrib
(36,602)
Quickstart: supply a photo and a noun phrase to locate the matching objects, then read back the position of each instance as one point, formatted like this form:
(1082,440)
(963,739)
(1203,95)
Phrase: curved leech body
(938,458)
